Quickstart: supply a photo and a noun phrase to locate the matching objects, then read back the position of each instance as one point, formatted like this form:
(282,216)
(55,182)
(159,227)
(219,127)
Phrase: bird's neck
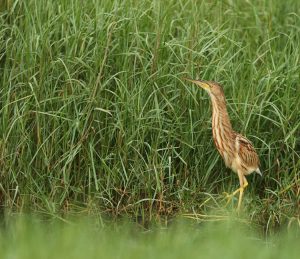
(221,125)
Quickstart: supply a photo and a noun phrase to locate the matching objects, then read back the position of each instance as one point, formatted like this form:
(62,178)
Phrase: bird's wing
(247,152)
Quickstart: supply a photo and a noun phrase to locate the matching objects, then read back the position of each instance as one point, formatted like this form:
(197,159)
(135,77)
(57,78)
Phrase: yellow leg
(243,185)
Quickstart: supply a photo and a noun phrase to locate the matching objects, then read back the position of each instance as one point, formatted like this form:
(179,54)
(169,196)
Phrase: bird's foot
(229,196)
(243,185)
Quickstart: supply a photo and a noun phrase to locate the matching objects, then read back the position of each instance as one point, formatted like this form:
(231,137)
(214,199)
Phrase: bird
(236,150)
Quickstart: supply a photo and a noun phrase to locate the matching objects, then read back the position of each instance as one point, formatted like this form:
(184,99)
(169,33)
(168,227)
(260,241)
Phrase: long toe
(230,196)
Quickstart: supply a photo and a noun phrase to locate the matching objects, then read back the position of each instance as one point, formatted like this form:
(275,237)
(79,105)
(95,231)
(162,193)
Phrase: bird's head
(213,88)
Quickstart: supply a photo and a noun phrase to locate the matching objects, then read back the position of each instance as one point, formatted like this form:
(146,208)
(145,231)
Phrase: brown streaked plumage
(237,151)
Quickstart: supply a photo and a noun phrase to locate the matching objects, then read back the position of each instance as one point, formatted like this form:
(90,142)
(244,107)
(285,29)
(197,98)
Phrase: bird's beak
(200,83)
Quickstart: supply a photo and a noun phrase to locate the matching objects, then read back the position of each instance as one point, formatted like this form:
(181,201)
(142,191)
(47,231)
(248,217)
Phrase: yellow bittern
(237,151)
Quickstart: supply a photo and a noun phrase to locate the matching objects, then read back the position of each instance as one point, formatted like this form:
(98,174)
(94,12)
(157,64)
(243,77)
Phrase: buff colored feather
(236,150)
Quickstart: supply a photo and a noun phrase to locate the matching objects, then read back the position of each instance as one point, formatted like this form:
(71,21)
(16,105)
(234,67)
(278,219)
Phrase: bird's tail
(258,171)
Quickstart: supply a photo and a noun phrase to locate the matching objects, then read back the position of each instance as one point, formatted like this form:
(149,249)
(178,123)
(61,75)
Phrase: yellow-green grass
(95,117)
(32,238)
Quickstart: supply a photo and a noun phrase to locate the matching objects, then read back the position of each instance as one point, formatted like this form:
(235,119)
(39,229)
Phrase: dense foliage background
(95,116)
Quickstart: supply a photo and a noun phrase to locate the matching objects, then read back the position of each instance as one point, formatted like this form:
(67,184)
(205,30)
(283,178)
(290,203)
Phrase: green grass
(24,238)
(95,117)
